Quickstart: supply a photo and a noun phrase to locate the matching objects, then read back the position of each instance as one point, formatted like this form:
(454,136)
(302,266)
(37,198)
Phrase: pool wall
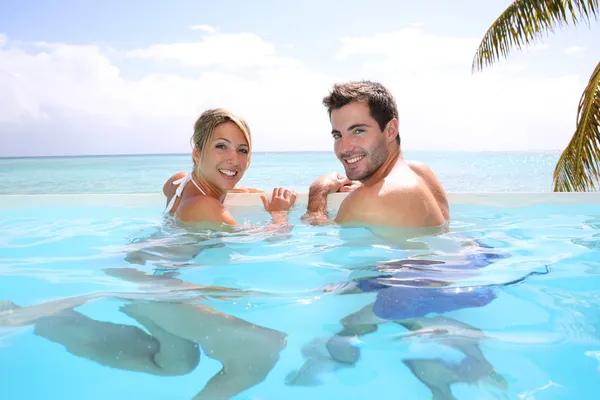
(520,199)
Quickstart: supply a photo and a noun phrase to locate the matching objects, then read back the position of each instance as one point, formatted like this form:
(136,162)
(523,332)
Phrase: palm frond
(577,168)
(524,21)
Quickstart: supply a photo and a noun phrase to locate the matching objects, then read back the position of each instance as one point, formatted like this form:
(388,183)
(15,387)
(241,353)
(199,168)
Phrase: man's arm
(316,211)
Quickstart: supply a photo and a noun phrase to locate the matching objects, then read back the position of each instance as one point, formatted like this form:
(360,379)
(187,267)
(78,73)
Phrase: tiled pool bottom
(94,286)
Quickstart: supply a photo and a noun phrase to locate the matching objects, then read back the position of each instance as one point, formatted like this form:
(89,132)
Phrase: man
(392,192)
(387,192)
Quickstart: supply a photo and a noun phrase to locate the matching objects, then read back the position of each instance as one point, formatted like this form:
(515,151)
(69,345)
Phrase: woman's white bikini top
(182,182)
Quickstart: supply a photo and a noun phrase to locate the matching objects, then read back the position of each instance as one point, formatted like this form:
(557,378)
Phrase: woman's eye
(220,146)
(244,151)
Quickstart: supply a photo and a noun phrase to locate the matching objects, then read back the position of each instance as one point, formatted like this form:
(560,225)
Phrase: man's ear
(391,130)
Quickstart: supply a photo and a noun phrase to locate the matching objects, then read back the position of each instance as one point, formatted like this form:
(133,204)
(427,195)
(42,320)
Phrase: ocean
(458,171)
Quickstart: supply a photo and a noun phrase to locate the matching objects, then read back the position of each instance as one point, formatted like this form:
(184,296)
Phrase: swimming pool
(92,285)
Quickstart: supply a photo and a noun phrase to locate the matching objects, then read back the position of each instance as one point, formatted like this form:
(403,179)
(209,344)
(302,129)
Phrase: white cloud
(230,50)
(204,28)
(445,107)
(574,49)
(72,100)
(537,46)
(65,99)
(409,49)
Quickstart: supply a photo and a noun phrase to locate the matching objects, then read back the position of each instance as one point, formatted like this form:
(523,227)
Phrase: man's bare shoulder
(424,172)
(387,204)
(433,184)
(419,166)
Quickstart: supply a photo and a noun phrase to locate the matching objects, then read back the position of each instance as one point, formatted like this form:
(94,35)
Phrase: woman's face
(225,158)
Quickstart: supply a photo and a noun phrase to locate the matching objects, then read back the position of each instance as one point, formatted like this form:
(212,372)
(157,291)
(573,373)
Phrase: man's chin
(360,176)
(354,175)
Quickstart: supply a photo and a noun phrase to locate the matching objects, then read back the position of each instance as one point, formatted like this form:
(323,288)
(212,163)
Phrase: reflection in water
(438,374)
(176,331)
(169,245)
(176,244)
(407,292)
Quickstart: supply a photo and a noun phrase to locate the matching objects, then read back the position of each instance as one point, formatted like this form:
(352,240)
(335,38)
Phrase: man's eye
(336,136)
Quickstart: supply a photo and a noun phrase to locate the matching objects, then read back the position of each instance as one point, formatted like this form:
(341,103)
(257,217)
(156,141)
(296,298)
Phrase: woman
(221,154)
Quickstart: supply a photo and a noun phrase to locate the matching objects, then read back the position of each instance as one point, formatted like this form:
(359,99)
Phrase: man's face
(359,143)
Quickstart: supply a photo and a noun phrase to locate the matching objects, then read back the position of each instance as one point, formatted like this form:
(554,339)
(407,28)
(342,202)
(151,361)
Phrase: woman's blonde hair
(209,120)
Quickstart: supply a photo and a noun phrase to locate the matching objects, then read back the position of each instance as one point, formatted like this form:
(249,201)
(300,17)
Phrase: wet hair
(209,120)
(382,105)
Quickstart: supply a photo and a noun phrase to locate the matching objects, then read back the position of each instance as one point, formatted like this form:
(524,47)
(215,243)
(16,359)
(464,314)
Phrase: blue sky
(122,77)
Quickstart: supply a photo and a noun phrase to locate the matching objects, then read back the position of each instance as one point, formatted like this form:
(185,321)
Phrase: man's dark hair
(382,105)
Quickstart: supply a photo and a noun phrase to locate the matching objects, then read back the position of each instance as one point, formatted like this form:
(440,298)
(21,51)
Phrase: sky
(93,77)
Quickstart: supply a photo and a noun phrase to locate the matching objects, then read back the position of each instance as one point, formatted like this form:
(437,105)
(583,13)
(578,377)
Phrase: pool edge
(498,199)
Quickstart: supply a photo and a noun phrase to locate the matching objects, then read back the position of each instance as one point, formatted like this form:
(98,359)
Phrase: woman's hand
(281,202)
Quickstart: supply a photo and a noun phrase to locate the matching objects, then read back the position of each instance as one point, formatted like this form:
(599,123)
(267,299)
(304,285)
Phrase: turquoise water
(531,332)
(458,172)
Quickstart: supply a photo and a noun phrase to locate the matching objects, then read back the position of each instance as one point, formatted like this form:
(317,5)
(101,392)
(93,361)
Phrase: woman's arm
(241,189)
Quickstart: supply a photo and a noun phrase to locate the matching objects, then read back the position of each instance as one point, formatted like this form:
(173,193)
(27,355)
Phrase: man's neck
(394,157)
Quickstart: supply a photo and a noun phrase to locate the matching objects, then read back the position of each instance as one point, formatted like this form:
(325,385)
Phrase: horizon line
(266,152)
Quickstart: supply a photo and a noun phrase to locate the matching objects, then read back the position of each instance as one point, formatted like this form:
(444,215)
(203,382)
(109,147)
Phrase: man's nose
(347,144)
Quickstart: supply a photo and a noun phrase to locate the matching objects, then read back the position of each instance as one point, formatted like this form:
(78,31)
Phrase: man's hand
(350,187)
(316,211)
(329,183)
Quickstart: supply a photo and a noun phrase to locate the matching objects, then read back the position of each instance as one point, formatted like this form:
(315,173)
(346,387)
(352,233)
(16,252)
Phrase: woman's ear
(195,156)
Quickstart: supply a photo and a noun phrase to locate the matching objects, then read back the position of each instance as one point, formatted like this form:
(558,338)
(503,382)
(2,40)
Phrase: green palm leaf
(524,21)
(577,168)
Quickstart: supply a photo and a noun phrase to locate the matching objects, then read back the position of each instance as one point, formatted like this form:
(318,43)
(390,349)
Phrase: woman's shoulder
(168,186)
(203,208)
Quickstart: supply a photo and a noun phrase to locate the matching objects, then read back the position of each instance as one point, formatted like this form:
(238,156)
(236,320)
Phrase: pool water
(89,294)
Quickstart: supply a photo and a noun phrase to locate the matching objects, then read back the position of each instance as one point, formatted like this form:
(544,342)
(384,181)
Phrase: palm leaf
(577,168)
(524,21)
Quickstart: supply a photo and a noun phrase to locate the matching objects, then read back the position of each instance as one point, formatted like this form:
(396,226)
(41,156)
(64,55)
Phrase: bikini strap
(197,186)
(181,182)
